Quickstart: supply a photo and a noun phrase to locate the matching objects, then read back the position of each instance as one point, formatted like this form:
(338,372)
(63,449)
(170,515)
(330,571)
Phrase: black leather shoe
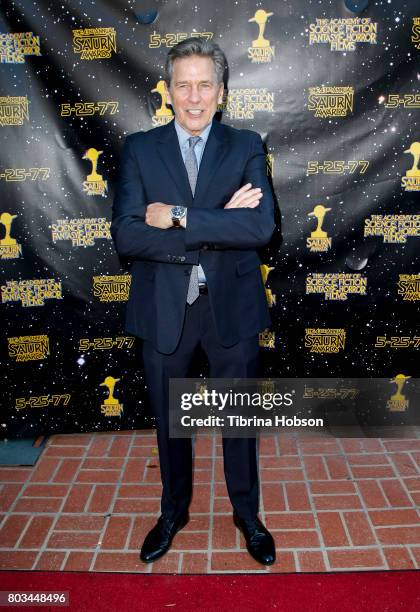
(259,541)
(159,539)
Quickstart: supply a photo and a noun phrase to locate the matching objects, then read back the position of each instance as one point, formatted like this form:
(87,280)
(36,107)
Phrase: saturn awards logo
(325,340)
(261,52)
(14,110)
(112,288)
(163,114)
(9,247)
(29,348)
(331,101)
(409,287)
(94,183)
(398,402)
(94,43)
(111,405)
(411,180)
(319,241)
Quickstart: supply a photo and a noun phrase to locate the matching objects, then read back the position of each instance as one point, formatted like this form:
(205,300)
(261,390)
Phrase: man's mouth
(194,112)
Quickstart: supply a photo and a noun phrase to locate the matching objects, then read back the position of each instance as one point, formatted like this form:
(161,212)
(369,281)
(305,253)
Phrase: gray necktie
(192,171)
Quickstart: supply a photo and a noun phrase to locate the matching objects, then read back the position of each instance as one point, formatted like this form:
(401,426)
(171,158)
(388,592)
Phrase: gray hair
(197,46)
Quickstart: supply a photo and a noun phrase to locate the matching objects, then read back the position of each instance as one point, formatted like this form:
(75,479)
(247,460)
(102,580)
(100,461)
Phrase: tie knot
(192,141)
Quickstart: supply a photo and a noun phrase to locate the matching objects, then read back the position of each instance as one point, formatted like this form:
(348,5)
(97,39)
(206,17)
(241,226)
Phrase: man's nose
(194,94)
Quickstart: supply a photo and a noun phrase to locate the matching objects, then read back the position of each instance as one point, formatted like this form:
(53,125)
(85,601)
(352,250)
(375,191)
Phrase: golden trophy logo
(415,33)
(331,101)
(265,271)
(14,46)
(29,348)
(111,406)
(398,402)
(325,340)
(261,52)
(112,288)
(9,248)
(94,183)
(14,110)
(409,287)
(163,114)
(395,229)
(267,339)
(411,180)
(94,43)
(319,240)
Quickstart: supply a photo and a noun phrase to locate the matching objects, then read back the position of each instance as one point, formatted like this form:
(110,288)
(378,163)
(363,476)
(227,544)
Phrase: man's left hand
(159,215)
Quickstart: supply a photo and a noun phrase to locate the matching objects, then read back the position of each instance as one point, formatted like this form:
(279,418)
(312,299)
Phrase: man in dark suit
(192,205)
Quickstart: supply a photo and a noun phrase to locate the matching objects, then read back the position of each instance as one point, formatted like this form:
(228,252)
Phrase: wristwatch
(178,213)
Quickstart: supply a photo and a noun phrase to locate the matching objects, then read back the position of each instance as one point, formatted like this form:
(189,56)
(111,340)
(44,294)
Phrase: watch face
(178,212)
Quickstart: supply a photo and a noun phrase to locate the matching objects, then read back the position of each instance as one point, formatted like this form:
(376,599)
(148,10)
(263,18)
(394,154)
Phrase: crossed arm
(145,231)
(159,214)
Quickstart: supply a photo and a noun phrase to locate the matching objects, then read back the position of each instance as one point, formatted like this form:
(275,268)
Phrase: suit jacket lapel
(215,149)
(169,151)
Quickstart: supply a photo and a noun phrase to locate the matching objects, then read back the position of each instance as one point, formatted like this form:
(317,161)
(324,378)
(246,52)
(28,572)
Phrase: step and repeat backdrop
(334,92)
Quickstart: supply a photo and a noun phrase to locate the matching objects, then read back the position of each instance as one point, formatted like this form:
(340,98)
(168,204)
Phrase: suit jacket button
(205,247)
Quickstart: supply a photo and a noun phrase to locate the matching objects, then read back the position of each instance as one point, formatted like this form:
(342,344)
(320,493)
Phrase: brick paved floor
(331,504)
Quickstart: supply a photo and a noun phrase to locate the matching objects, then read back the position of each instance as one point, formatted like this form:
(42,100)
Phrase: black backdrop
(76,77)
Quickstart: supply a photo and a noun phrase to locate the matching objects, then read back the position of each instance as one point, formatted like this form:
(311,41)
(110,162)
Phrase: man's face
(194,92)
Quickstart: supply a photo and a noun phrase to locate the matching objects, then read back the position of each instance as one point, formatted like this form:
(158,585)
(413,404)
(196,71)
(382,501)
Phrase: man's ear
(220,97)
(168,95)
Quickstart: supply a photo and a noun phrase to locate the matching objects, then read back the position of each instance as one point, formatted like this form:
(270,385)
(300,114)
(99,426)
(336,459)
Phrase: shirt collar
(183,135)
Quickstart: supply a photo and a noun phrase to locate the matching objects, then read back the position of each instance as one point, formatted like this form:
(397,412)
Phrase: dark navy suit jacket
(224,242)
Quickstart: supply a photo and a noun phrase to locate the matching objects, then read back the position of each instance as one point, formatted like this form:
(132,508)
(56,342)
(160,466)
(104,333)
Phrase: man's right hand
(245,197)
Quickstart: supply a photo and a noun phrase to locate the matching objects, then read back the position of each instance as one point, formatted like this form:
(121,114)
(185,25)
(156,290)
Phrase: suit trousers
(175,455)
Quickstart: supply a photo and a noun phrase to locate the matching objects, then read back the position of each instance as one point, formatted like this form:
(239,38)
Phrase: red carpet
(353,591)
